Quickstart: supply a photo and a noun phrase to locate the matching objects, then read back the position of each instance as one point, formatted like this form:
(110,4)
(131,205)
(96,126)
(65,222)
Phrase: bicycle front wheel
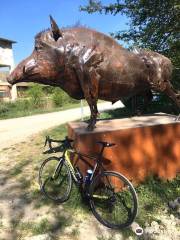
(55,179)
(113,200)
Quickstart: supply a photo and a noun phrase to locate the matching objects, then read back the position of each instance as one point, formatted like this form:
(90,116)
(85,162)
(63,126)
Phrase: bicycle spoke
(55,179)
(113,204)
(125,205)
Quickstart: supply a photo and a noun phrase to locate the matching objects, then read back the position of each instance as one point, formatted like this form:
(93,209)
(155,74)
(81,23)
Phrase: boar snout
(12,79)
(9,79)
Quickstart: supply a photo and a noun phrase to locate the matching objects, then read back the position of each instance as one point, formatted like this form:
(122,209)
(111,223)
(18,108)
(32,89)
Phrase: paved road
(18,129)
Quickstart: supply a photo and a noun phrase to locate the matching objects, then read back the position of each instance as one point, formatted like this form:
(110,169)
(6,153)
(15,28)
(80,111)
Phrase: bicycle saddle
(106,144)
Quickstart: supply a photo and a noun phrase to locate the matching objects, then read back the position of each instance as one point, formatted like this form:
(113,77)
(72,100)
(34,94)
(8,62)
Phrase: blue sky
(20,20)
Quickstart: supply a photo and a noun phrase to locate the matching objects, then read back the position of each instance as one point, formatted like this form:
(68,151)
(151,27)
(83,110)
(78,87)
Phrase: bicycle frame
(68,161)
(81,156)
(77,155)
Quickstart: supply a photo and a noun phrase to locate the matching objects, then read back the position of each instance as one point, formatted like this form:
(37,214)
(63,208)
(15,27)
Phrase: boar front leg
(91,86)
(89,81)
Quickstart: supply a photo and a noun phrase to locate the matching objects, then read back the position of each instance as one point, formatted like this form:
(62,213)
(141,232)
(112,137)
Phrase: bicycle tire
(56,187)
(106,200)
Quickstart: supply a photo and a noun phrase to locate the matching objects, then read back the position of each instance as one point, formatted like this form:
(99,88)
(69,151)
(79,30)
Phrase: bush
(60,98)
(3,108)
(13,109)
(36,94)
(57,97)
(22,105)
(36,103)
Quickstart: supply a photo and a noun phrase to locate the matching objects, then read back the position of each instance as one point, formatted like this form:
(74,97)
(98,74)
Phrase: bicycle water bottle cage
(78,174)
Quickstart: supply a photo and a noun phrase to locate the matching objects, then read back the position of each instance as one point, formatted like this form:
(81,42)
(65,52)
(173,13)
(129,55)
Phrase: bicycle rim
(55,179)
(113,200)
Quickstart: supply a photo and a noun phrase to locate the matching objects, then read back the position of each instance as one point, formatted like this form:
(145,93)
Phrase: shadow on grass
(154,195)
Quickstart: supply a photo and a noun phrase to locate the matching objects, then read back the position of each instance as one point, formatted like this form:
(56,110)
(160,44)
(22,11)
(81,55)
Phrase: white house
(6,66)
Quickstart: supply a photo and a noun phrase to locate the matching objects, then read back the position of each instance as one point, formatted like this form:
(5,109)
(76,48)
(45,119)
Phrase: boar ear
(55,29)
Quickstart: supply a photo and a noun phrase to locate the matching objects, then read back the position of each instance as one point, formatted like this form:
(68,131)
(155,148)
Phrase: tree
(153,24)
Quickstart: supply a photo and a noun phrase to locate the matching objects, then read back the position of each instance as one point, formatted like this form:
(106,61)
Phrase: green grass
(1,224)
(43,226)
(154,195)
(75,232)
(101,237)
(12,110)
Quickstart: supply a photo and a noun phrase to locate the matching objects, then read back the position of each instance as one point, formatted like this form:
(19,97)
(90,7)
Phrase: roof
(22,84)
(4,84)
(7,40)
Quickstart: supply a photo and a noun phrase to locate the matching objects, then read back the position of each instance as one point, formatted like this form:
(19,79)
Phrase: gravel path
(18,129)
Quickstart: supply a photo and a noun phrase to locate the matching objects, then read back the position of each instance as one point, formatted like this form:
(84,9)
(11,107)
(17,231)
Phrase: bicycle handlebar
(66,143)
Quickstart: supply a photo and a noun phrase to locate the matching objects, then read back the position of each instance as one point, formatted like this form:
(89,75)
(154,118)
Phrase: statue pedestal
(144,145)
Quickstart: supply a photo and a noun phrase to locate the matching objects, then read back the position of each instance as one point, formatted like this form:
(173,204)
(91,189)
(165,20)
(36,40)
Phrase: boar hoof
(177,118)
(91,125)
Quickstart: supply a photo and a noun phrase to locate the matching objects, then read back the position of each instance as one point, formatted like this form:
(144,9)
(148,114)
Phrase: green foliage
(36,228)
(154,195)
(152,24)
(60,98)
(3,108)
(36,94)
(14,107)
(48,90)
(40,99)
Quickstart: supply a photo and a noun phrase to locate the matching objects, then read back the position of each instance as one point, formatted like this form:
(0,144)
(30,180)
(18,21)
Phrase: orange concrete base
(144,145)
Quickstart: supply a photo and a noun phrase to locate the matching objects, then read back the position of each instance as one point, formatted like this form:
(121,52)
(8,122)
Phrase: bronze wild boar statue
(88,64)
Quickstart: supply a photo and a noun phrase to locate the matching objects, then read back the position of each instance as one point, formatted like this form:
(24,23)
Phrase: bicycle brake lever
(47,139)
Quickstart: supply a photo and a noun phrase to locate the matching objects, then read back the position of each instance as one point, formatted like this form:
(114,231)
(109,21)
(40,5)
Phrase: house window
(3,94)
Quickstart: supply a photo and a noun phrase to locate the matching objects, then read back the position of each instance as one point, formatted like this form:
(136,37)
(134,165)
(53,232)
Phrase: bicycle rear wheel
(55,179)
(113,200)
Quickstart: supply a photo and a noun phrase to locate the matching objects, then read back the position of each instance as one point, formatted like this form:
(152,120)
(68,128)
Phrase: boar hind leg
(173,94)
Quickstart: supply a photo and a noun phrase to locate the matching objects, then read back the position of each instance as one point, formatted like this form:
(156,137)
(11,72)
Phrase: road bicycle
(111,196)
